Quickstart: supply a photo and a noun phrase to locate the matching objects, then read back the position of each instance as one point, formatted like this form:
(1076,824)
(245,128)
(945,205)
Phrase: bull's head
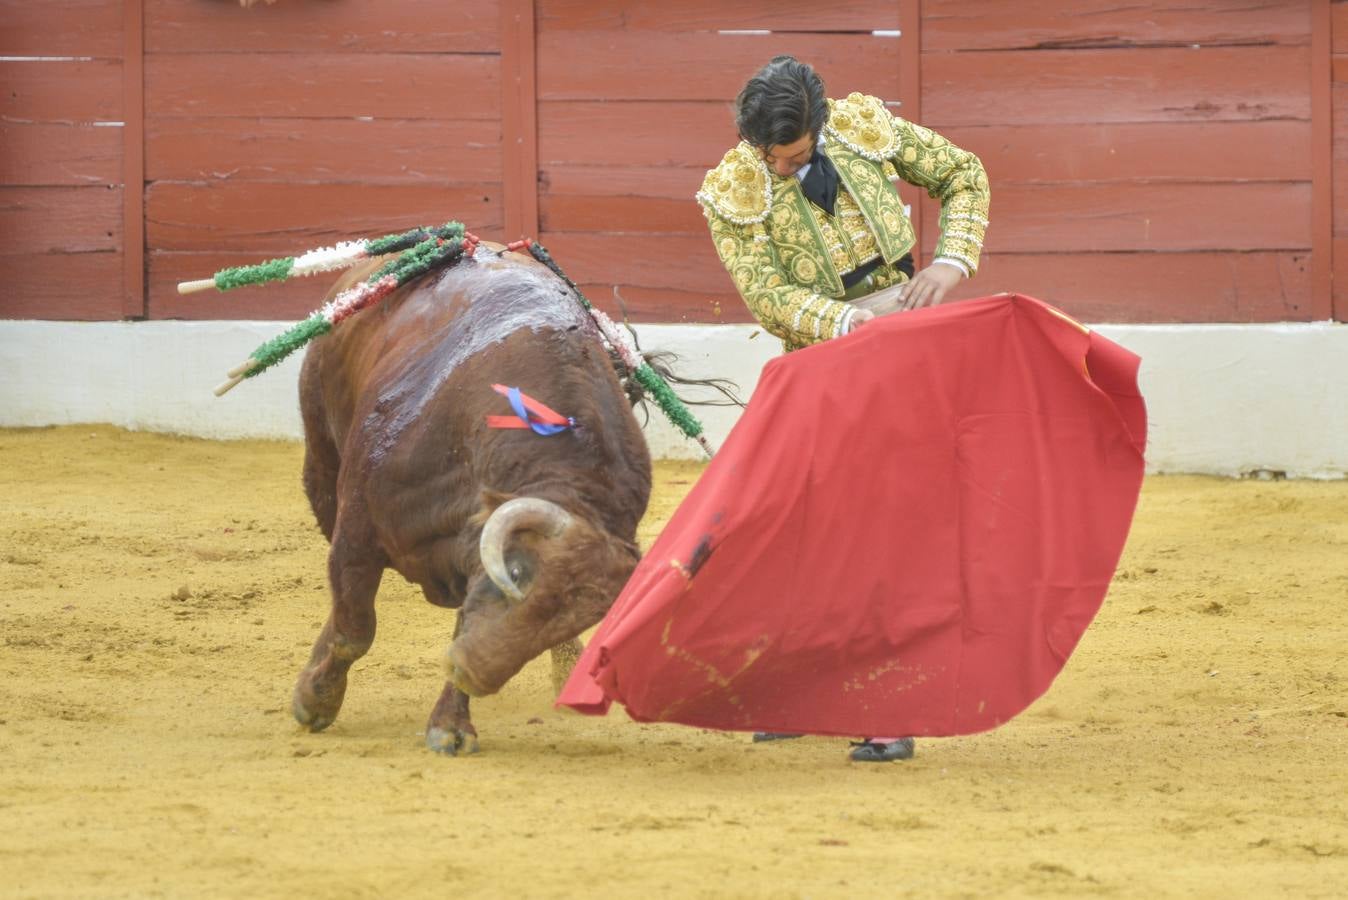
(547,576)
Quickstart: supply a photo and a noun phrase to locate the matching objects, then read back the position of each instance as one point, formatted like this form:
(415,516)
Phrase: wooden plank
(88,287)
(1322,164)
(381,151)
(519,117)
(46,154)
(1159,217)
(292,218)
(1339,26)
(307,26)
(646,304)
(1339,69)
(133,161)
(1146,85)
(674,134)
(61,28)
(673,261)
(622,198)
(1148,151)
(616,179)
(704,65)
(695,135)
(1097,287)
(60,220)
(611,213)
(61,91)
(711,15)
(1219,287)
(1157,152)
(1155,287)
(960,25)
(323,85)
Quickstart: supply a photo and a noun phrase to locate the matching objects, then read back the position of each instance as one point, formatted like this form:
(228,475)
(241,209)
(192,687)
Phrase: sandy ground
(160,595)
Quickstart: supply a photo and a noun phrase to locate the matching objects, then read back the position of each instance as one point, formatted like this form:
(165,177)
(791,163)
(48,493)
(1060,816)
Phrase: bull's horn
(531,513)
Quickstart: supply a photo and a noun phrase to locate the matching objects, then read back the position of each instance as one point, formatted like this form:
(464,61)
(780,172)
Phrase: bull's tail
(711,391)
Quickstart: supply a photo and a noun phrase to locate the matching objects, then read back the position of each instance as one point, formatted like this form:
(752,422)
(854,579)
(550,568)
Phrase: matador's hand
(929,287)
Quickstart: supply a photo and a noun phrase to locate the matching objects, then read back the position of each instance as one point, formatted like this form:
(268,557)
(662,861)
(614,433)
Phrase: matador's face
(787,159)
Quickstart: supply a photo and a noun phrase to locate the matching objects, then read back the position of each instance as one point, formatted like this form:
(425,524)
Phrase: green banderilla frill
(330,258)
(241,276)
(669,403)
(278,348)
(417,261)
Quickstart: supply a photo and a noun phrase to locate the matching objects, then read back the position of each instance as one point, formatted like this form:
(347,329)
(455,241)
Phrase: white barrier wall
(1222,399)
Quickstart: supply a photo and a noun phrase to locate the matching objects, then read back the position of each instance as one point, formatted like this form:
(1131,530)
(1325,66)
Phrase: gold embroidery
(738,189)
(877,200)
(783,253)
(863,125)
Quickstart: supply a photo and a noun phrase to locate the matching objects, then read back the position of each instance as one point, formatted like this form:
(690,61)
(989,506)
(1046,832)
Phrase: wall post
(133,159)
(519,118)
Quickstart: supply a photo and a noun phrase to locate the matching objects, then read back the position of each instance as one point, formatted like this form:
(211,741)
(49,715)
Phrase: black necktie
(820,184)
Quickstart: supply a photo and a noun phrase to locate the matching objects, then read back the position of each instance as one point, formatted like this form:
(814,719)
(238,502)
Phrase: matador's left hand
(929,287)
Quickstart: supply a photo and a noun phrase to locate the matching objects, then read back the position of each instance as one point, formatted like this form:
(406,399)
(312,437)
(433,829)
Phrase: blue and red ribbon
(529,413)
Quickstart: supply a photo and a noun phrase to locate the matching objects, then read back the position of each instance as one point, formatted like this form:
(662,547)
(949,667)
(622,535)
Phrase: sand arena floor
(160,595)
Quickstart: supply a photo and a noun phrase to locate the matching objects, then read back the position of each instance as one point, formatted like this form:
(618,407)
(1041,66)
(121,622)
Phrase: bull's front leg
(450,728)
(345,638)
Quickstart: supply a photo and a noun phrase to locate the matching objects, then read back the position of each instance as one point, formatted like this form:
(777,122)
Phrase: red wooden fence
(1149,162)
(61,159)
(1173,161)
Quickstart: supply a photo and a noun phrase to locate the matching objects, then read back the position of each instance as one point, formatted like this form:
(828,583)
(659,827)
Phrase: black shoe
(761,736)
(874,751)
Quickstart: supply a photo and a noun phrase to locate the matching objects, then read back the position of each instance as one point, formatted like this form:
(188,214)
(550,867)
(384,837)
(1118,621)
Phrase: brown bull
(529,537)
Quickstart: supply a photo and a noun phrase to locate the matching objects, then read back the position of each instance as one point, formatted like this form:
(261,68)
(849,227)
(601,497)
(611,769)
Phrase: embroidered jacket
(787,257)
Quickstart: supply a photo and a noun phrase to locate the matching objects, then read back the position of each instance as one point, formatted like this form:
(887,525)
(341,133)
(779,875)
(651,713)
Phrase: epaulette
(862,124)
(738,189)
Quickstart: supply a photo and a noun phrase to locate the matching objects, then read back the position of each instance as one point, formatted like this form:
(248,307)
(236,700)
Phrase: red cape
(907,532)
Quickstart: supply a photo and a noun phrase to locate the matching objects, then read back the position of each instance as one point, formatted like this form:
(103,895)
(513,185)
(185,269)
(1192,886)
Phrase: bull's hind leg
(322,464)
(450,728)
(354,575)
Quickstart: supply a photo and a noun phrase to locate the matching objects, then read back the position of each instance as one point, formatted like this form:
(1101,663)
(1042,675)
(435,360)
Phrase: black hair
(781,104)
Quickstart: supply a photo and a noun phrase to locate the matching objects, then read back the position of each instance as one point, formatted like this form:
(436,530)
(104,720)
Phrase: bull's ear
(488,501)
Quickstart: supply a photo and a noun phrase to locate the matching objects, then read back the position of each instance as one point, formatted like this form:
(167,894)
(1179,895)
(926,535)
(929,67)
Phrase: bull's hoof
(451,742)
(314,707)
(307,719)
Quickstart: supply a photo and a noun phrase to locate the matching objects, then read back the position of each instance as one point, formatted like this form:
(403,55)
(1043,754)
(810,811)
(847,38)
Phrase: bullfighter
(806,218)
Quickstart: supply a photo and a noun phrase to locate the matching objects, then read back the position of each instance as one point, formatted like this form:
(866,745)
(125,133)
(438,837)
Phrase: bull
(530,538)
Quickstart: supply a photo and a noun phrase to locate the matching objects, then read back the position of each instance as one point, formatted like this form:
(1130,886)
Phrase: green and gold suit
(787,256)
